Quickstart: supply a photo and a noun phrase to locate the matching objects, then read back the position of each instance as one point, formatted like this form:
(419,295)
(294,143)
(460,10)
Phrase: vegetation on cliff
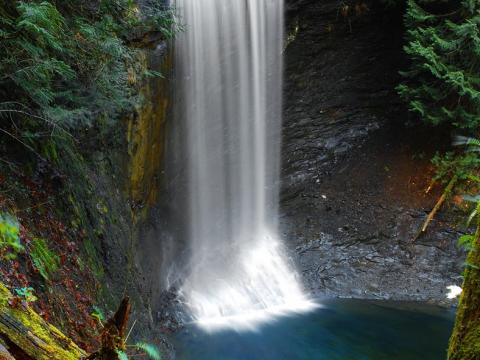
(71,78)
(442,83)
(465,340)
(442,87)
(65,65)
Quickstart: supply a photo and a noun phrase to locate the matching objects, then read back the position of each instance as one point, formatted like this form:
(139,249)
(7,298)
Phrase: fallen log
(4,353)
(25,335)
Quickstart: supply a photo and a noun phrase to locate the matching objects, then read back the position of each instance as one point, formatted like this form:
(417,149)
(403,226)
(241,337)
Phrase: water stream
(229,83)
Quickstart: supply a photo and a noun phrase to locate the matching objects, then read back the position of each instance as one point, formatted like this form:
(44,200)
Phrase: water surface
(340,330)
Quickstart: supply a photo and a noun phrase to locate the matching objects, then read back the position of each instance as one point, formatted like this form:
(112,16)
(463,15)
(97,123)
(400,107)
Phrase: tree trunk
(465,340)
(113,334)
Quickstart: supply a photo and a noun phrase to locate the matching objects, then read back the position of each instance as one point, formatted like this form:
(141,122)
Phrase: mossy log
(4,353)
(25,335)
(465,339)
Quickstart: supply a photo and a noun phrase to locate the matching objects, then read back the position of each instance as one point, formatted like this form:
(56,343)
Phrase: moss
(81,222)
(26,329)
(94,263)
(465,339)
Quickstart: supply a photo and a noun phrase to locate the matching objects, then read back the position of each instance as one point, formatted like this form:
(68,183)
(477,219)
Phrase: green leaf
(466,241)
(121,355)
(471,217)
(471,266)
(153,73)
(98,314)
(26,293)
(149,349)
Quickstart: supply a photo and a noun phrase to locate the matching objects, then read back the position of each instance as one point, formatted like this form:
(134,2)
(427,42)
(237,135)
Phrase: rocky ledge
(354,174)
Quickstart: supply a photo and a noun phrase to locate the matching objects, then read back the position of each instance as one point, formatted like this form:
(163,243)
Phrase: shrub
(10,245)
(44,259)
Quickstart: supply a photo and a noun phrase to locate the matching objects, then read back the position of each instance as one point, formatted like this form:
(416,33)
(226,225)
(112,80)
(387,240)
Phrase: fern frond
(149,349)
(121,355)
(44,260)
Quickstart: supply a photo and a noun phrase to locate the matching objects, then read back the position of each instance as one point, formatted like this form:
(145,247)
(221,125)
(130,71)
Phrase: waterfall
(229,82)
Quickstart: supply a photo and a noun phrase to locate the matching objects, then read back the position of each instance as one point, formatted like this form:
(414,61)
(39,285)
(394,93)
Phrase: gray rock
(352,197)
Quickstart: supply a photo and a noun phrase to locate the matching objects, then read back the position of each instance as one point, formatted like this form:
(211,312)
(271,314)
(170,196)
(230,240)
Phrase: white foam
(260,287)
(454,291)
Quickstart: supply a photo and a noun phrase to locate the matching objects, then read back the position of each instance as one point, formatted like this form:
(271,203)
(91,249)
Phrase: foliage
(442,84)
(69,69)
(149,349)
(64,65)
(122,355)
(44,259)
(10,245)
(464,342)
(465,339)
(466,241)
(26,293)
(462,164)
(466,166)
(98,314)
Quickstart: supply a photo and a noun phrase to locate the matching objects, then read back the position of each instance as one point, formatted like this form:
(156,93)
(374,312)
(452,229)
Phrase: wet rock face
(354,176)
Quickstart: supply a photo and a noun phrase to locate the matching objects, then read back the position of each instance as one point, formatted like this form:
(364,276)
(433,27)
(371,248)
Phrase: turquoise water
(340,330)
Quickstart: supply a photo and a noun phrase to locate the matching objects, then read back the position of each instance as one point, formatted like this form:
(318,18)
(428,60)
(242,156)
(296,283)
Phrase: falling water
(229,73)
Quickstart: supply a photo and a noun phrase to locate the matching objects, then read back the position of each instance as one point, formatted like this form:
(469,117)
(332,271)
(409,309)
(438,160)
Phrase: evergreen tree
(65,64)
(442,84)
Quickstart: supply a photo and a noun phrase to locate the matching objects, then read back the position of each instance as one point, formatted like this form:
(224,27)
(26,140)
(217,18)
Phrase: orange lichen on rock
(146,134)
